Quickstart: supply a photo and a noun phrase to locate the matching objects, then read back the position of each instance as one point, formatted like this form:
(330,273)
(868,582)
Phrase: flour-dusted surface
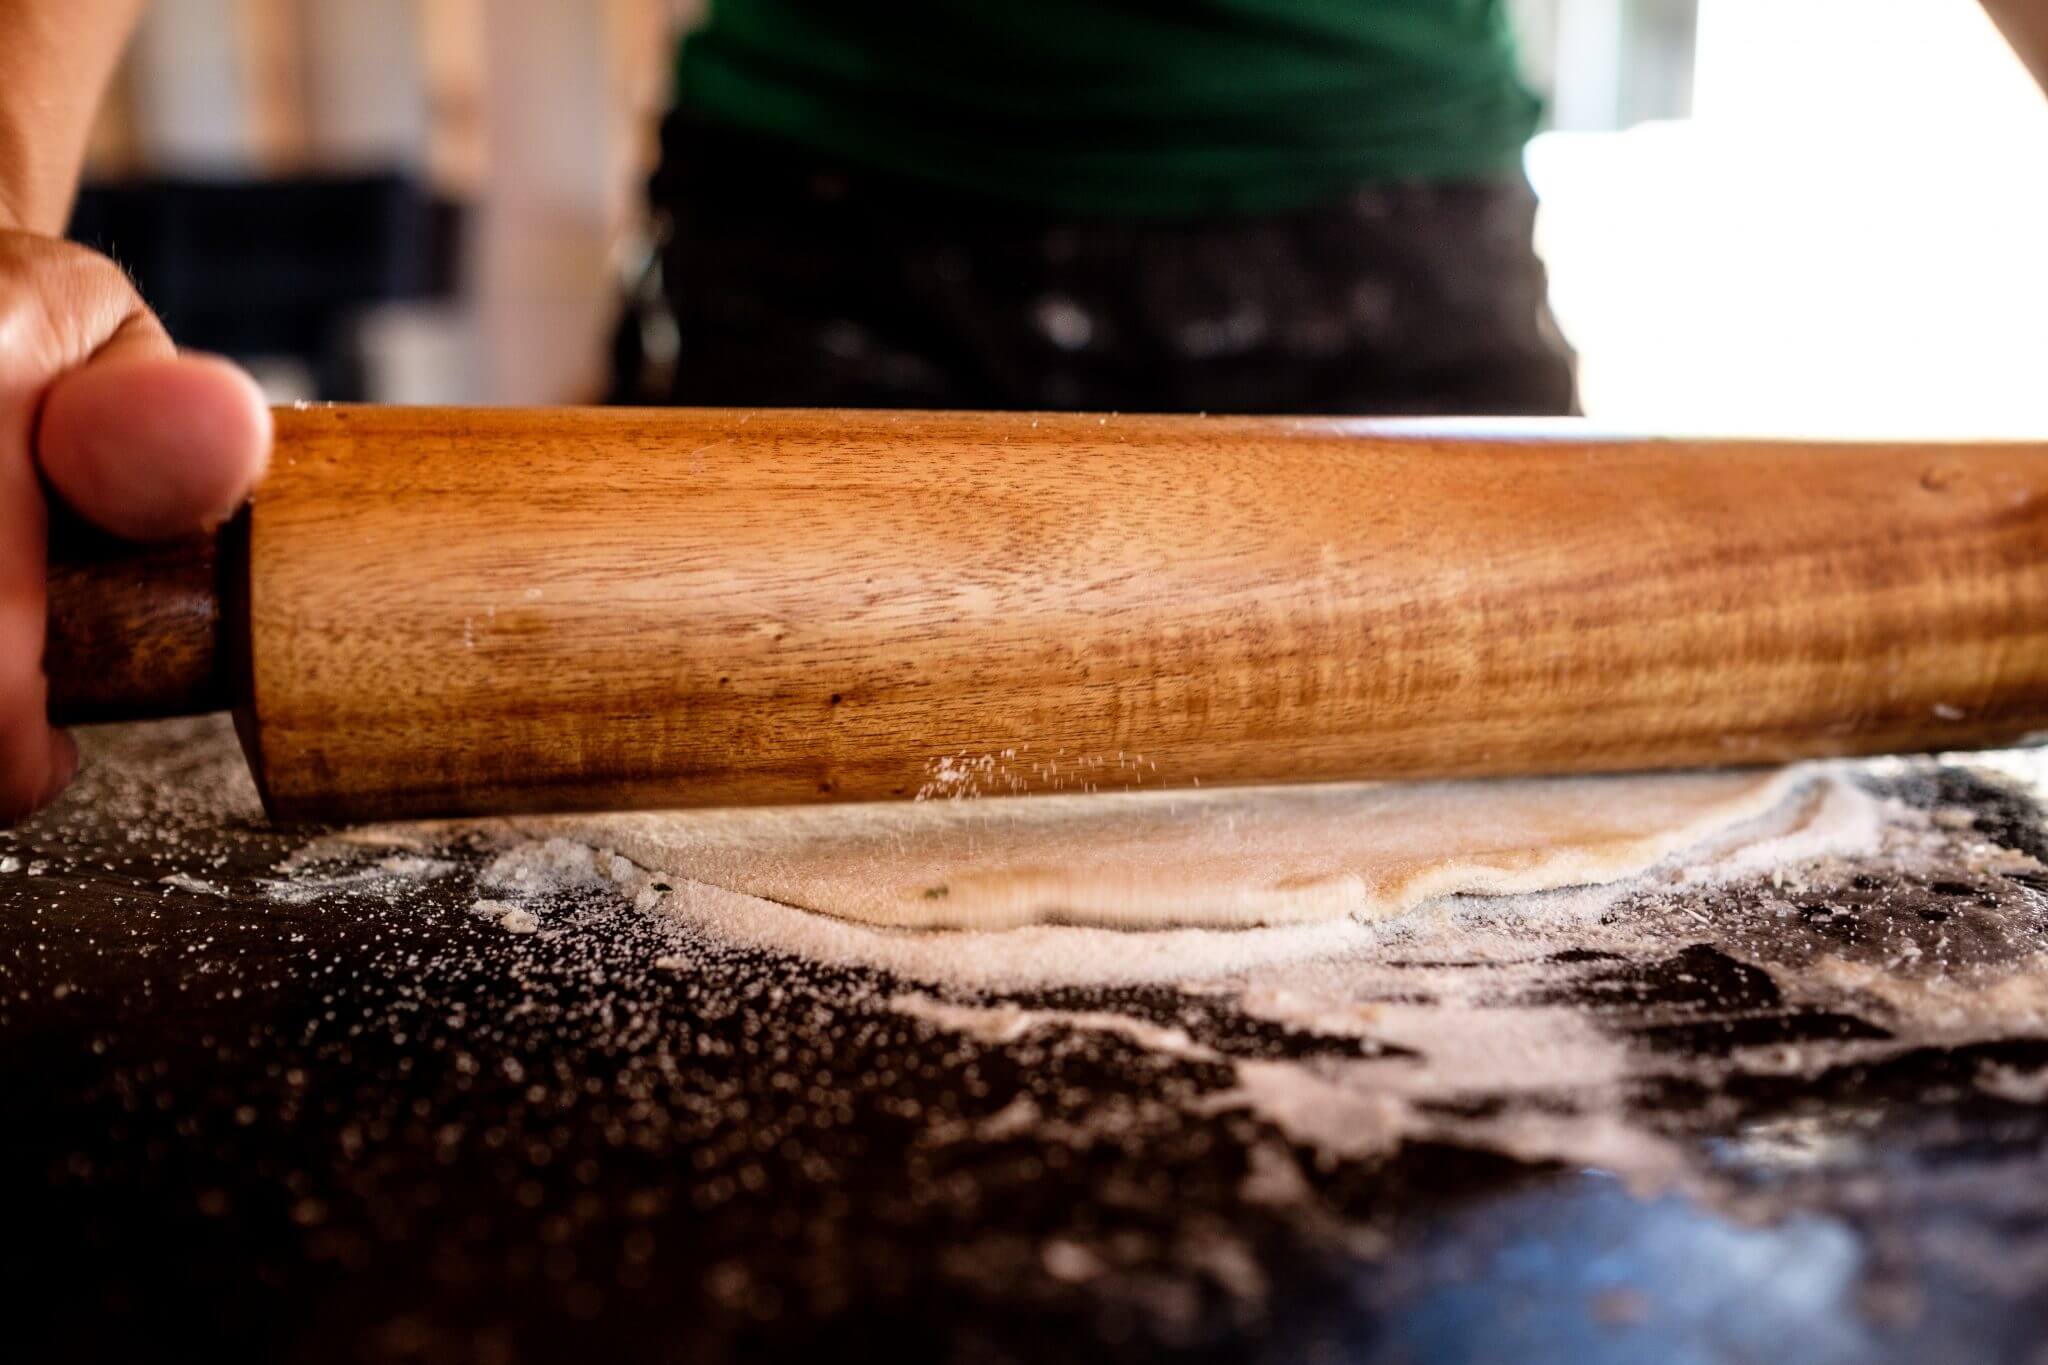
(1265,878)
(420,1094)
(1215,859)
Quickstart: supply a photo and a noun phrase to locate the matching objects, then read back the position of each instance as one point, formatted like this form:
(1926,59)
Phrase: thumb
(149,444)
(95,403)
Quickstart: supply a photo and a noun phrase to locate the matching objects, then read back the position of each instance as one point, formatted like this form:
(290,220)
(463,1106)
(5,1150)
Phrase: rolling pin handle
(139,632)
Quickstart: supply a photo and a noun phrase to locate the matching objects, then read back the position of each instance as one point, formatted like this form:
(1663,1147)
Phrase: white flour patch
(185,881)
(513,919)
(1009,1023)
(322,868)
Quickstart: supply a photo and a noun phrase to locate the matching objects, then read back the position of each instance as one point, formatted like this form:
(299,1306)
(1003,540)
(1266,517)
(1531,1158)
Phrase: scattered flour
(311,874)
(1452,1022)
(184,881)
(1007,1023)
(1411,1017)
(513,919)
(1470,1019)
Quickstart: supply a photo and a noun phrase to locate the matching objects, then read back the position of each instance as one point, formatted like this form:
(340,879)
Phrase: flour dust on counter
(1394,938)
(528,1083)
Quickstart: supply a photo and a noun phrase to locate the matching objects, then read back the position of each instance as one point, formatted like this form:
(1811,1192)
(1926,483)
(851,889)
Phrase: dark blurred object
(278,268)
(797,281)
(644,339)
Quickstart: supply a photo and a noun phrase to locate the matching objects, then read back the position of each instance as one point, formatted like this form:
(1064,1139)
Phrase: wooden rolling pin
(428,612)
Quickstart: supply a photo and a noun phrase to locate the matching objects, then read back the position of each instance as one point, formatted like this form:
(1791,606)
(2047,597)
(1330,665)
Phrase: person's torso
(1124,107)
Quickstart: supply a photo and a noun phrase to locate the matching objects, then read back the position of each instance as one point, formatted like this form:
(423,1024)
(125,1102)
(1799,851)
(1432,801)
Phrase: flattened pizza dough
(1261,856)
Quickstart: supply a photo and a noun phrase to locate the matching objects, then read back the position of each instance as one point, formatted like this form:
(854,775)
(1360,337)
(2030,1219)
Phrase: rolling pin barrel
(430,612)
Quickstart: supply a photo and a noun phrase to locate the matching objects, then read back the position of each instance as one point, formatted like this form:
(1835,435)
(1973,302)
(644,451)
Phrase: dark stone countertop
(343,1116)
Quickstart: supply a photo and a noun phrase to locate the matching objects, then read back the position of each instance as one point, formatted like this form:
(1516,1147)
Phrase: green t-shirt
(1124,107)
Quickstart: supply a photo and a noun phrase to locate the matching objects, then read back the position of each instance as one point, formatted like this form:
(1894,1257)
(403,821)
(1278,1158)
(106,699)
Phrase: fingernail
(63,765)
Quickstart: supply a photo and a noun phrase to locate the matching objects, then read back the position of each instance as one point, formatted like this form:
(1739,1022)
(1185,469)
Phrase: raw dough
(1263,856)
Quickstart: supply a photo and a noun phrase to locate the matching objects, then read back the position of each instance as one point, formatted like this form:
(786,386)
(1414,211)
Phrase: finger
(32,759)
(148,445)
(36,765)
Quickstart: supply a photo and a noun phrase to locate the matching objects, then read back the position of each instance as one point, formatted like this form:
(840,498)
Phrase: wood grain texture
(475,611)
(136,629)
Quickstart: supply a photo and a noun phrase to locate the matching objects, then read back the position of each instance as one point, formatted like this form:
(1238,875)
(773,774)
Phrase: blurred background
(1760,215)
